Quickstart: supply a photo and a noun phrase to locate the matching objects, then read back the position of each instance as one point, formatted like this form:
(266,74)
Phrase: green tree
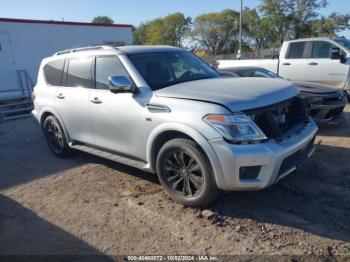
(102,20)
(217,32)
(278,16)
(331,25)
(155,33)
(175,28)
(168,30)
(140,34)
(265,27)
(257,30)
(304,13)
(291,19)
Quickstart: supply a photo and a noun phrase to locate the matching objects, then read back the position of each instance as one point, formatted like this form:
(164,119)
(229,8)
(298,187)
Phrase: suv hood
(237,94)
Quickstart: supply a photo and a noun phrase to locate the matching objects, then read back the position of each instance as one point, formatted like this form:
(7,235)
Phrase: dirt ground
(87,205)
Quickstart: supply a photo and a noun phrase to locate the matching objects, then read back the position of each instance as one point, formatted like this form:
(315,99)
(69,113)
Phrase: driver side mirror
(119,84)
(335,54)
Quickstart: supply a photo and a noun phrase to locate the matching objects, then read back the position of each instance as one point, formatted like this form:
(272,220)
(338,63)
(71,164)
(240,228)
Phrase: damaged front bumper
(329,111)
(256,166)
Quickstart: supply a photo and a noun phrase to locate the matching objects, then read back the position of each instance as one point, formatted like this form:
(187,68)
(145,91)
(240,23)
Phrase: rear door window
(53,72)
(299,50)
(79,73)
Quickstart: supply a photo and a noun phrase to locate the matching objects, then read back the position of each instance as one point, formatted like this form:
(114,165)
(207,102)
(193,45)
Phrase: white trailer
(24,43)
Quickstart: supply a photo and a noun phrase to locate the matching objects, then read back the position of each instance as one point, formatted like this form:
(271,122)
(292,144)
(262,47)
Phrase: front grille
(296,159)
(278,119)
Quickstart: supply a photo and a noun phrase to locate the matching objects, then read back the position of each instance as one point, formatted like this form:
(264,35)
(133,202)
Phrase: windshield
(344,42)
(163,69)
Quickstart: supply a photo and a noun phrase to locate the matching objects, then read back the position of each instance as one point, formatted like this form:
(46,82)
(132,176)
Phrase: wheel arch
(46,113)
(166,132)
(44,116)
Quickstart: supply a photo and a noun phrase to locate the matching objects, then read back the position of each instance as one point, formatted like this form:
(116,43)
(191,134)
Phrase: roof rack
(110,43)
(81,49)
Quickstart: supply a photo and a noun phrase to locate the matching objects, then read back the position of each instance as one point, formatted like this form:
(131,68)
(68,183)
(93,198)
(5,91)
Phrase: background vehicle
(164,110)
(326,103)
(318,60)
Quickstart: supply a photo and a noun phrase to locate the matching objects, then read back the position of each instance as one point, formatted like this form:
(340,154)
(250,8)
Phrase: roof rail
(81,49)
(110,43)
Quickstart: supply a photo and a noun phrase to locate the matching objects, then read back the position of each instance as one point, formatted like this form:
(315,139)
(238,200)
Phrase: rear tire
(185,173)
(55,137)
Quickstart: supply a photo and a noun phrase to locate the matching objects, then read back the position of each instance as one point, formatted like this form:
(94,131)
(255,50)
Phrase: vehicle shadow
(24,156)
(315,199)
(136,173)
(23,233)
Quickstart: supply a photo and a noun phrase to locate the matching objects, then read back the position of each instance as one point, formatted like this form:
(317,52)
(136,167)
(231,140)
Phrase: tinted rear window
(53,72)
(296,50)
(79,73)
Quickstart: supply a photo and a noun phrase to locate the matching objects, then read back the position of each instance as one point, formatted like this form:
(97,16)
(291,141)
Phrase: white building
(24,43)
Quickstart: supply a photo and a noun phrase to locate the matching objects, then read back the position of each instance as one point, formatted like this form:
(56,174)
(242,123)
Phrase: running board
(120,159)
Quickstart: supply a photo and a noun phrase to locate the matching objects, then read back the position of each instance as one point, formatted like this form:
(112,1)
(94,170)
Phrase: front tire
(55,137)
(185,173)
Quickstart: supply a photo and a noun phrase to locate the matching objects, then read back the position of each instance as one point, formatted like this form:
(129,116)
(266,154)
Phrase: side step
(113,157)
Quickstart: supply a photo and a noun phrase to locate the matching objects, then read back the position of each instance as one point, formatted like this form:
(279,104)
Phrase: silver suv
(165,111)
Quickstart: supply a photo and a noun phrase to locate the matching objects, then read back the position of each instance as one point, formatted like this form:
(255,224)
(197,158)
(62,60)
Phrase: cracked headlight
(236,127)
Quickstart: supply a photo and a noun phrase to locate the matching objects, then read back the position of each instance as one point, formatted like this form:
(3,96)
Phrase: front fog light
(249,172)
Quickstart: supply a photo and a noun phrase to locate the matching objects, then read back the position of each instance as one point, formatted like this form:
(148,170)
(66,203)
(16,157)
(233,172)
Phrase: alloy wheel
(183,174)
(54,137)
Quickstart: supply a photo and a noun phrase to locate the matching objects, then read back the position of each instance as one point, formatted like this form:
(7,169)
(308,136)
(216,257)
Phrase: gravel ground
(87,205)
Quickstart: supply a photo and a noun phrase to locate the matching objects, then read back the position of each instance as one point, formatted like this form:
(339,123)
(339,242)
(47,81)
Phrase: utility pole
(240,31)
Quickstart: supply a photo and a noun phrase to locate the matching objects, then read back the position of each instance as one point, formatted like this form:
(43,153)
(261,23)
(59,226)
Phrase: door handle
(313,63)
(96,100)
(286,64)
(60,96)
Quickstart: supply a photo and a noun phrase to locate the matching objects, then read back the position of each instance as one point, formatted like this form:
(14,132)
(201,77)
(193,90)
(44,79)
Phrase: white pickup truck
(320,60)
